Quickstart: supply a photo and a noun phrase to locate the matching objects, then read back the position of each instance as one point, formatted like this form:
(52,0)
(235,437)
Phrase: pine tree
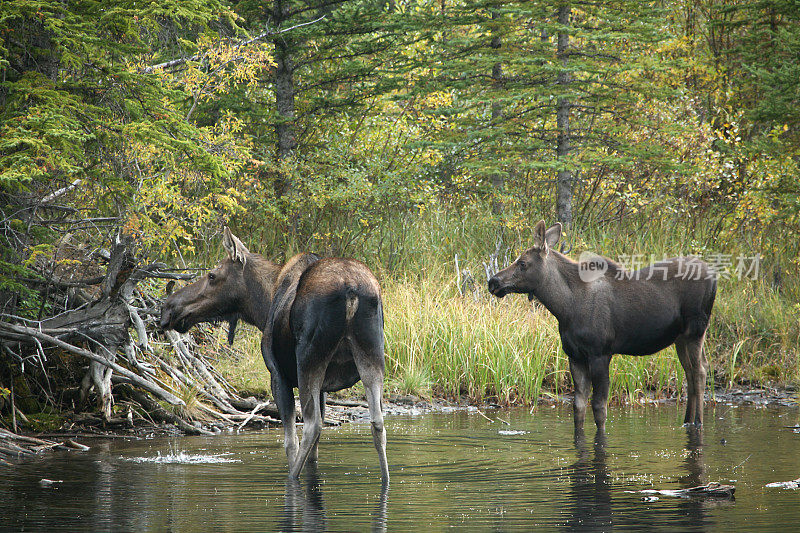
(328,64)
(86,129)
(571,74)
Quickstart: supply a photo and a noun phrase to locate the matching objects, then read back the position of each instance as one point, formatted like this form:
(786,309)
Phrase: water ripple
(185,458)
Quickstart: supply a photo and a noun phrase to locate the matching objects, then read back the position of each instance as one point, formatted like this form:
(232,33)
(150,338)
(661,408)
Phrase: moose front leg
(695,366)
(284,399)
(580,380)
(313,455)
(598,371)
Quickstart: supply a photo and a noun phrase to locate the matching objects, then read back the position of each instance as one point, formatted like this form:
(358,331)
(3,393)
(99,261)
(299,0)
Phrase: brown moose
(322,324)
(613,311)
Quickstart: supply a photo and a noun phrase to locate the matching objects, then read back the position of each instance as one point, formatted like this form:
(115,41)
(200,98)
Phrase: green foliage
(407,120)
(491,91)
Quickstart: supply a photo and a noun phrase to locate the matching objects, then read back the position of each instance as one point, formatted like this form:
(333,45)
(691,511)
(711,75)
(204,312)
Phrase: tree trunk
(498,180)
(565,179)
(284,101)
(284,88)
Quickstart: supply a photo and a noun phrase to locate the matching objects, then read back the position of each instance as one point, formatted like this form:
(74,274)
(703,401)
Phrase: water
(448,470)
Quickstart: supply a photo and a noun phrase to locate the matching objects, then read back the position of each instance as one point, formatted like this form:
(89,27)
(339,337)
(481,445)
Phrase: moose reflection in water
(617,312)
(304,505)
(590,487)
(594,504)
(322,324)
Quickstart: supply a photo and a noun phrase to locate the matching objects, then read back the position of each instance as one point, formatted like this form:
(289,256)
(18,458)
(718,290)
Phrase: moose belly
(340,375)
(647,339)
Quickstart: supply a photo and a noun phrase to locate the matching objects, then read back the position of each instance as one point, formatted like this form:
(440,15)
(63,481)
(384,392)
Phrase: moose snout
(495,287)
(166,316)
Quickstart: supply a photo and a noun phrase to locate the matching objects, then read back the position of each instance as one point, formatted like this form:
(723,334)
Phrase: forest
(425,138)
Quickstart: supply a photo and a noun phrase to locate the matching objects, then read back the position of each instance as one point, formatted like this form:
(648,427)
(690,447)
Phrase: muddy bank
(356,409)
(786,396)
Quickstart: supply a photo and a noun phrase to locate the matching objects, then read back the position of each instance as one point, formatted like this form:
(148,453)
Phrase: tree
(327,65)
(564,194)
(88,132)
(571,76)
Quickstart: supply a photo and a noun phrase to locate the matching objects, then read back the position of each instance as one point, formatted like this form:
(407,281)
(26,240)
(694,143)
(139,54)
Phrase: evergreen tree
(86,130)
(331,62)
(571,76)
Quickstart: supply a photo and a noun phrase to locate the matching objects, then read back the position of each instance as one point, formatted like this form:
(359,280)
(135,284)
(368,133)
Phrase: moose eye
(523,265)
(212,276)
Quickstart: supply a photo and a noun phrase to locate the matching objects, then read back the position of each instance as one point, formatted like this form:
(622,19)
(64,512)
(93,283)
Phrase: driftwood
(714,490)
(13,445)
(792,485)
(162,415)
(98,313)
(21,332)
(346,403)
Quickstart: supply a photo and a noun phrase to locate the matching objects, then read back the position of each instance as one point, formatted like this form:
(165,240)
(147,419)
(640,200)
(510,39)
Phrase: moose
(608,310)
(322,324)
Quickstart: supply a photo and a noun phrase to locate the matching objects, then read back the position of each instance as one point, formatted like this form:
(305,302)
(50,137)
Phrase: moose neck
(259,278)
(559,282)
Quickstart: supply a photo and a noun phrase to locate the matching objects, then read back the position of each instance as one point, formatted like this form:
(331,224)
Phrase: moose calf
(611,311)
(322,324)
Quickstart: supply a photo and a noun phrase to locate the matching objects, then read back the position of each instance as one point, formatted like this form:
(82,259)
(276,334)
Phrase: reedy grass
(247,373)
(440,343)
(467,347)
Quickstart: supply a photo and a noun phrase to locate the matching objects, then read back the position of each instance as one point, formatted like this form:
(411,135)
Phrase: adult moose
(612,311)
(322,324)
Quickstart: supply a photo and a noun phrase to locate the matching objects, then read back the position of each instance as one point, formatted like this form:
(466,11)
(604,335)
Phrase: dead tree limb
(134,378)
(197,57)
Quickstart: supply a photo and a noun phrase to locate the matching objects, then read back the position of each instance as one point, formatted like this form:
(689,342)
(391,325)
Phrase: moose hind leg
(371,368)
(580,380)
(598,370)
(310,390)
(696,368)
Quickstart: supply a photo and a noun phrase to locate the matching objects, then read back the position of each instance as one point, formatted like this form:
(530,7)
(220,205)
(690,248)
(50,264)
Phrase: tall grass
(440,343)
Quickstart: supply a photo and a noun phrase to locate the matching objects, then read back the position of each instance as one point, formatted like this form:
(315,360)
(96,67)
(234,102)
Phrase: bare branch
(134,378)
(60,192)
(198,57)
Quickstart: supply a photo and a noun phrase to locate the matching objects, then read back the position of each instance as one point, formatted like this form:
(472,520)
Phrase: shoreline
(354,409)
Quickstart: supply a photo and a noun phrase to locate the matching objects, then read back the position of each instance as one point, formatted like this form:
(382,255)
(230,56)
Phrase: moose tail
(350,304)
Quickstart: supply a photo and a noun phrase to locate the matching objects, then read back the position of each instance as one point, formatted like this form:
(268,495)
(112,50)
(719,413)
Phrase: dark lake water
(449,470)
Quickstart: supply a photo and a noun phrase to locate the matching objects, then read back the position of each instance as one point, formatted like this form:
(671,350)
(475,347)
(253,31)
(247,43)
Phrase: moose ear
(538,234)
(552,234)
(236,250)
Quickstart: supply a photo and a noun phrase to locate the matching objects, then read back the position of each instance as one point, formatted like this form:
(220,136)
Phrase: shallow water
(448,470)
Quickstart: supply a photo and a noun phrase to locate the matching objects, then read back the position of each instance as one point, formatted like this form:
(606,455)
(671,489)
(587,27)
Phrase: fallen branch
(134,378)
(251,415)
(347,403)
(14,445)
(161,414)
(716,490)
